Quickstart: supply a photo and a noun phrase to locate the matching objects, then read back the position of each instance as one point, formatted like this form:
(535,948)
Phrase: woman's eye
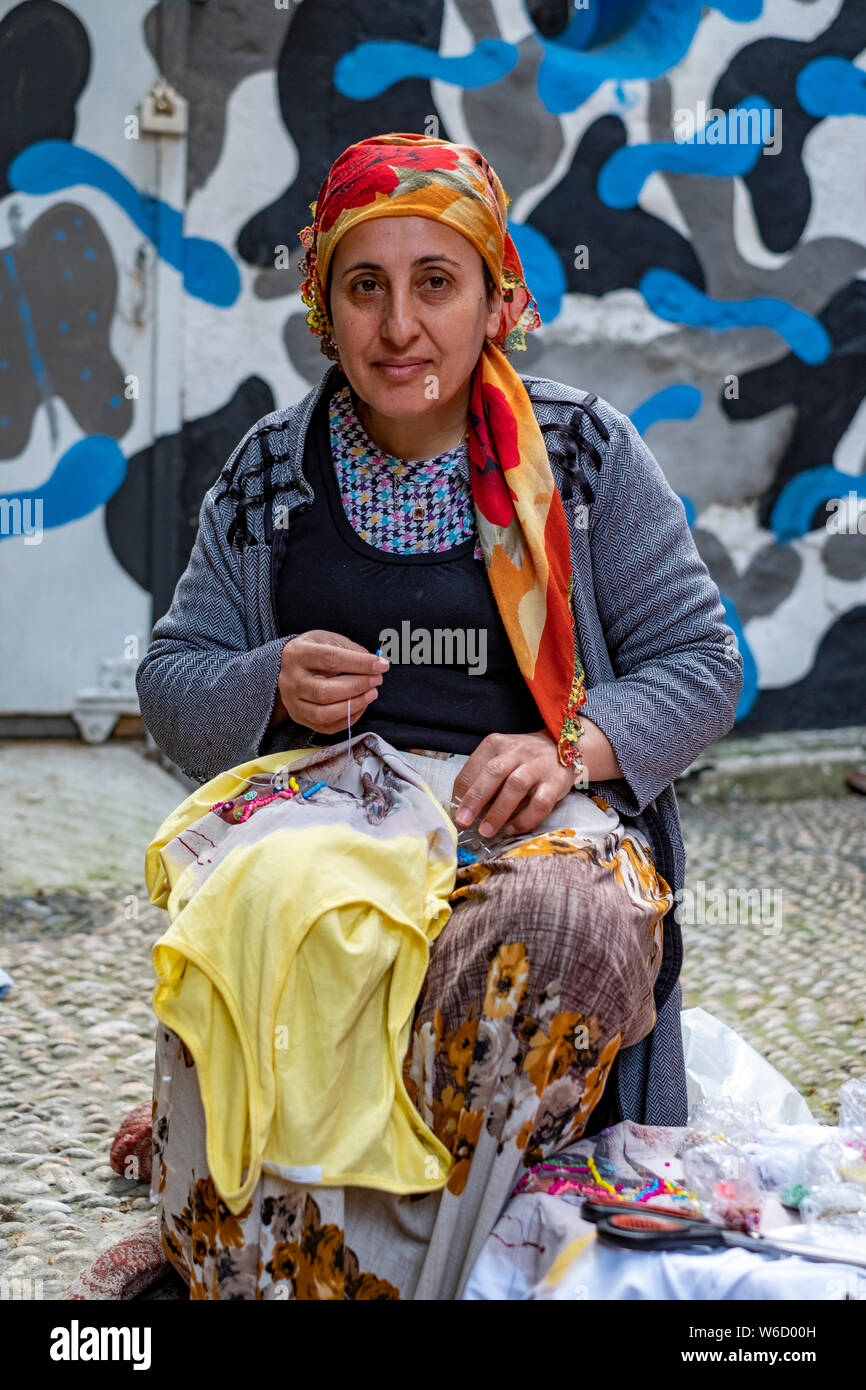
(360,283)
(443,281)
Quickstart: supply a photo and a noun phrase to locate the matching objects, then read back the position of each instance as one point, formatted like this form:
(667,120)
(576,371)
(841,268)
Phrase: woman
(411,494)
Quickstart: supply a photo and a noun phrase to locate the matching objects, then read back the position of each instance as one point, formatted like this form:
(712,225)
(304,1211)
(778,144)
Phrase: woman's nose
(399,316)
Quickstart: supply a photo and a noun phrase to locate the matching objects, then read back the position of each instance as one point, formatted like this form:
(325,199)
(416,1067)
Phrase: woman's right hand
(320,673)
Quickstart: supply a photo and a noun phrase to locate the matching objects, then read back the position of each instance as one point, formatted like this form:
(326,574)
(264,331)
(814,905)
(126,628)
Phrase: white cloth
(542,1249)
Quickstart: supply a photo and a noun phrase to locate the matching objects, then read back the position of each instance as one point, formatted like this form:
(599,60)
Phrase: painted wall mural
(688,187)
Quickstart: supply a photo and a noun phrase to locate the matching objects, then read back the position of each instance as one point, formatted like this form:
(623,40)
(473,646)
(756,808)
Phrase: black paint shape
(829,697)
(44,65)
(550,18)
(206,444)
(321,121)
(623,243)
(826,397)
(62,269)
(778,184)
(767,582)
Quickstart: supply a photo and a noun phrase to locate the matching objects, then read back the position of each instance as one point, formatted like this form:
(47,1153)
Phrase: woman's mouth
(401,371)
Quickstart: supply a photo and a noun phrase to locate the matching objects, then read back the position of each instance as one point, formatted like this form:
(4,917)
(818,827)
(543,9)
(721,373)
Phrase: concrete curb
(775,767)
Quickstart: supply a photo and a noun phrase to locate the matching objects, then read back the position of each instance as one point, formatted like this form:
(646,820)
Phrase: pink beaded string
(252,805)
(257,802)
(240,814)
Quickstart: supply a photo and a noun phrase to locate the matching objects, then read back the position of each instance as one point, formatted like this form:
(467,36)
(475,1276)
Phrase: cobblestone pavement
(789,973)
(76,1031)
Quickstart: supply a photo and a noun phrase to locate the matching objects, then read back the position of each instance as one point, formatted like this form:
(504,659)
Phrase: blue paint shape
(800,498)
(209,273)
(739,11)
(749,692)
(679,402)
(86,476)
(832,87)
(659,36)
(623,176)
(594,24)
(542,268)
(371,68)
(36,362)
(672,298)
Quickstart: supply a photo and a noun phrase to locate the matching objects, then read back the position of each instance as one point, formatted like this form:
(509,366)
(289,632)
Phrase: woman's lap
(543,972)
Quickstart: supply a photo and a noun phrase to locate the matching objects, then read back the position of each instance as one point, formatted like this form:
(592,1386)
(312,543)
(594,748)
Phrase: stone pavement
(786,968)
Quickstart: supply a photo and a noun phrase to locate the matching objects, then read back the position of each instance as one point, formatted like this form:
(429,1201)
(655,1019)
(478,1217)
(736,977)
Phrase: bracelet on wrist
(581,777)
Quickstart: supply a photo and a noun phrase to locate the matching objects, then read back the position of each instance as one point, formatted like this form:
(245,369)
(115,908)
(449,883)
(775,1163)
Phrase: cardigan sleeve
(678,670)
(205,696)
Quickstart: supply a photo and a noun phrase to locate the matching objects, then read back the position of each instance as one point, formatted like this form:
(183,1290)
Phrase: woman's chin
(397,399)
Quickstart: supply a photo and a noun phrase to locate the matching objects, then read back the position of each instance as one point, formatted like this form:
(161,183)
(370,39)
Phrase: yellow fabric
(291,975)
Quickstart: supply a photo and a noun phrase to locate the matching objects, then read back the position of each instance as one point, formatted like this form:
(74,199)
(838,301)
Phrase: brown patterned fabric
(543,972)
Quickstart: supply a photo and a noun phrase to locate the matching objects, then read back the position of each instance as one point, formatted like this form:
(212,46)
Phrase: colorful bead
(314,788)
(599,1179)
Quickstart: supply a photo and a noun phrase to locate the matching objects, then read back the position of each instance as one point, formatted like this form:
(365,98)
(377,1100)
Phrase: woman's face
(409,310)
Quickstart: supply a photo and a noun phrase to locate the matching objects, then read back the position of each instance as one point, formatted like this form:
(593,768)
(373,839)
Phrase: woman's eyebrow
(422,260)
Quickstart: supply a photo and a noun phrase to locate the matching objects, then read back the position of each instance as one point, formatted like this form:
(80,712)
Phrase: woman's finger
(530,814)
(519,817)
(323,691)
(333,716)
(518,787)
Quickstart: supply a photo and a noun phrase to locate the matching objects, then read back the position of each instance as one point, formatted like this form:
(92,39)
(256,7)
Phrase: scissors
(595,1209)
(672,1231)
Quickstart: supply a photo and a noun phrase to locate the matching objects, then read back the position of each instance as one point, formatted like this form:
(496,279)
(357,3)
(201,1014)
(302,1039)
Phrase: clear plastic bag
(841,1159)
(481,847)
(725,1120)
(726,1183)
(852,1100)
(780,1155)
(836,1207)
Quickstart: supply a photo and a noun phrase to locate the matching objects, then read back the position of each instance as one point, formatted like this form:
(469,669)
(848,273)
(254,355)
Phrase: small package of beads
(474,846)
(726,1183)
(840,1206)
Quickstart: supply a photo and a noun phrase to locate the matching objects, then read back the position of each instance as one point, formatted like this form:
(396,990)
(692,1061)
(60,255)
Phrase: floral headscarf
(519,513)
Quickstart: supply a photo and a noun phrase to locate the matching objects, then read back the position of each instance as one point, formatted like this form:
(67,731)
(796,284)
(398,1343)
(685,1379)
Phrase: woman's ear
(494,299)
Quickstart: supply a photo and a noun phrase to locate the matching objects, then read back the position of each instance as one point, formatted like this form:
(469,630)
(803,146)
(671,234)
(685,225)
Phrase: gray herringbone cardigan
(663,673)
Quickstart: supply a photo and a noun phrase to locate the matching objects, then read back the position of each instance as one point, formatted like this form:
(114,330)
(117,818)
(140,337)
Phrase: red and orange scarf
(519,513)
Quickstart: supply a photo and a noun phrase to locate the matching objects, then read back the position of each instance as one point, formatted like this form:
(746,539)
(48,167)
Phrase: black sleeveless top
(450,696)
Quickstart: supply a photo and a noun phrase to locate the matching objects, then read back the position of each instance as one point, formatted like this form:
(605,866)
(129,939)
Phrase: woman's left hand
(525,771)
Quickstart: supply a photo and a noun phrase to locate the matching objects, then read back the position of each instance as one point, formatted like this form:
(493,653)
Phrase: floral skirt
(544,970)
